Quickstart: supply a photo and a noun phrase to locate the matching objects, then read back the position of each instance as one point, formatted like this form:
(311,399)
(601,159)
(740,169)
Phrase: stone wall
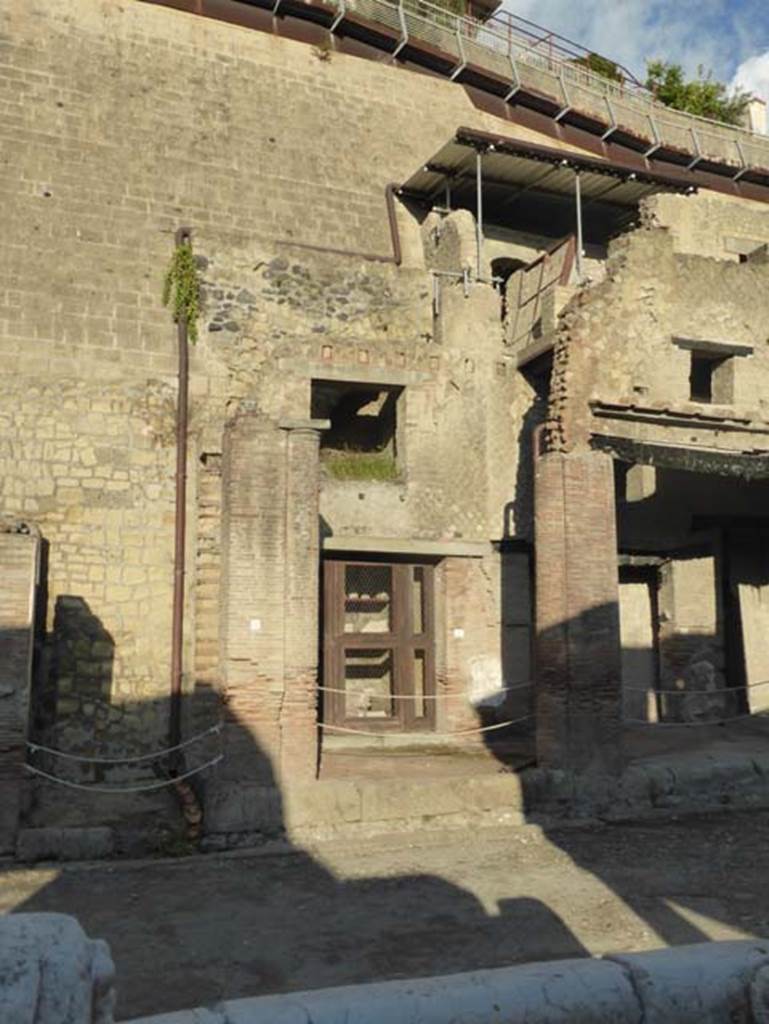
(120,123)
(623,356)
(710,224)
(19,558)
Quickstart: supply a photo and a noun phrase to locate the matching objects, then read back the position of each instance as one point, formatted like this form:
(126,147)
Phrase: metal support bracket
(342,11)
(744,169)
(516,79)
(697,149)
(404,32)
(567,101)
(462,58)
(609,131)
(657,140)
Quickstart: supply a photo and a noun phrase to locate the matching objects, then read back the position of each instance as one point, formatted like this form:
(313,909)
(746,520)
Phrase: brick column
(298,722)
(578,640)
(270,569)
(18,576)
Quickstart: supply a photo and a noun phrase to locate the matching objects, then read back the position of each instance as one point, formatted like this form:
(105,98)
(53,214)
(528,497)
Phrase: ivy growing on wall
(181,288)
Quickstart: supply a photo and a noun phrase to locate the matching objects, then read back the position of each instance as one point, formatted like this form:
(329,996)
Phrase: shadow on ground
(195,930)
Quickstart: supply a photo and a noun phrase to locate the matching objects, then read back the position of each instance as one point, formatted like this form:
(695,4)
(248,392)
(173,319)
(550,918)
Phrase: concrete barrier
(702,984)
(52,973)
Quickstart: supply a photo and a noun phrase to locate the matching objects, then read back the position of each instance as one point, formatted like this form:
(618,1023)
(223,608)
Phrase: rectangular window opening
(710,378)
(361,443)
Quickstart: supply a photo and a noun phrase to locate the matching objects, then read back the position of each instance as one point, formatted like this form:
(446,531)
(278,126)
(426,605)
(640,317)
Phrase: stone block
(52,973)
(65,843)
(700,984)
(321,803)
(492,792)
(396,799)
(241,807)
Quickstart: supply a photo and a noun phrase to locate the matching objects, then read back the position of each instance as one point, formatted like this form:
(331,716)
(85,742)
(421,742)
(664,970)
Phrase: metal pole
(578,198)
(479,212)
(180,529)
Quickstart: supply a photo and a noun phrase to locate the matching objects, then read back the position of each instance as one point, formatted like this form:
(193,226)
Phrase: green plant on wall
(181,288)
(601,66)
(346,464)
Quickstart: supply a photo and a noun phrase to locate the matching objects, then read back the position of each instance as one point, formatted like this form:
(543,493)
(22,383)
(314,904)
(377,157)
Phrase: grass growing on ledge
(350,465)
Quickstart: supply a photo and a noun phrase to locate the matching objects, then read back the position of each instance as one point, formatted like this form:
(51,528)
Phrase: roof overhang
(512,166)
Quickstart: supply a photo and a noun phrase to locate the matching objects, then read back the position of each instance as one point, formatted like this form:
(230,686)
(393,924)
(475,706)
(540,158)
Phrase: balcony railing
(515,51)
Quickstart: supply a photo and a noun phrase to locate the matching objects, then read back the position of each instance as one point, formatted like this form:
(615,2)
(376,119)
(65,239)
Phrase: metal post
(578,198)
(448,194)
(479,213)
(180,529)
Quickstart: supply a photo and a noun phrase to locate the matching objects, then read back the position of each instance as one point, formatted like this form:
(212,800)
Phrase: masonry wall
(620,371)
(710,224)
(121,122)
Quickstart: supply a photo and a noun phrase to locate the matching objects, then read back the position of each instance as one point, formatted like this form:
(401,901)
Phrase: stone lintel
(360,373)
(408,546)
(304,424)
(715,348)
(748,465)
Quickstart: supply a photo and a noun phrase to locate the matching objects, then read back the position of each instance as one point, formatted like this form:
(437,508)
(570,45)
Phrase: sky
(729,37)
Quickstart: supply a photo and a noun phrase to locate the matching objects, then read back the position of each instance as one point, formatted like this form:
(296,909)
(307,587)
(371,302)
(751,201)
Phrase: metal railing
(512,49)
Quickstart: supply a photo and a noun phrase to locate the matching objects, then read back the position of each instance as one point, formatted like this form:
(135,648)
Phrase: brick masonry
(578,642)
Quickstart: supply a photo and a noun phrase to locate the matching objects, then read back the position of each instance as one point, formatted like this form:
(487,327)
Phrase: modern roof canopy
(563,192)
(514,166)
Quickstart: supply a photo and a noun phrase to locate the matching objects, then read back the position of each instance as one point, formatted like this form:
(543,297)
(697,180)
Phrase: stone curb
(710,983)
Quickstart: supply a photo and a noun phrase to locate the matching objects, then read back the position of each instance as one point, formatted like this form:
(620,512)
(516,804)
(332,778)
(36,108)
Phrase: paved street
(190,932)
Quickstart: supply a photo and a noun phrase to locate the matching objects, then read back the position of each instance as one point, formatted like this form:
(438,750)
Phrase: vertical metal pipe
(479,213)
(578,198)
(180,527)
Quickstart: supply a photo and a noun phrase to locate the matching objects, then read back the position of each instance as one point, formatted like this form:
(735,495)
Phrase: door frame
(401,641)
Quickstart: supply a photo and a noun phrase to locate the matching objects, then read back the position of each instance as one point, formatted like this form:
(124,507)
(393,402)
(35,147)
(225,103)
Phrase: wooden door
(379,645)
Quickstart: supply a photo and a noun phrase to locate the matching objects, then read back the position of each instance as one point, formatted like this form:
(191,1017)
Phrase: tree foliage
(601,66)
(703,95)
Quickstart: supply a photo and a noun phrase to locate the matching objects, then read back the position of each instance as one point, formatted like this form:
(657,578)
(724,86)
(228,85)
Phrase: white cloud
(753,76)
(718,34)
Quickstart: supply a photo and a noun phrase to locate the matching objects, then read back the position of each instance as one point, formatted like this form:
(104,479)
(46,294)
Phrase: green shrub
(352,465)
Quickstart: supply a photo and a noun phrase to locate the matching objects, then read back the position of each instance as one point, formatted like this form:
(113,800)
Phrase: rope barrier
(123,789)
(82,758)
(454,732)
(431,696)
(689,693)
(686,725)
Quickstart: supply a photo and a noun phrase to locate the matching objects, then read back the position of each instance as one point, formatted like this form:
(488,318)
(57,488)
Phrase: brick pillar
(299,733)
(18,576)
(578,640)
(270,556)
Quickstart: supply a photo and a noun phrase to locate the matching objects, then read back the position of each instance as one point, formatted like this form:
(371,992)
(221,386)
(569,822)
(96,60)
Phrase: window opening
(361,442)
(710,378)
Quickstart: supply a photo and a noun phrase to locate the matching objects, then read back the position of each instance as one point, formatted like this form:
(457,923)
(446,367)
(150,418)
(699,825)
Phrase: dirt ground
(190,932)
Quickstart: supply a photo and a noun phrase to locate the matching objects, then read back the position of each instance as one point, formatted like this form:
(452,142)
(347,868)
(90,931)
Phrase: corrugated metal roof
(516,167)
